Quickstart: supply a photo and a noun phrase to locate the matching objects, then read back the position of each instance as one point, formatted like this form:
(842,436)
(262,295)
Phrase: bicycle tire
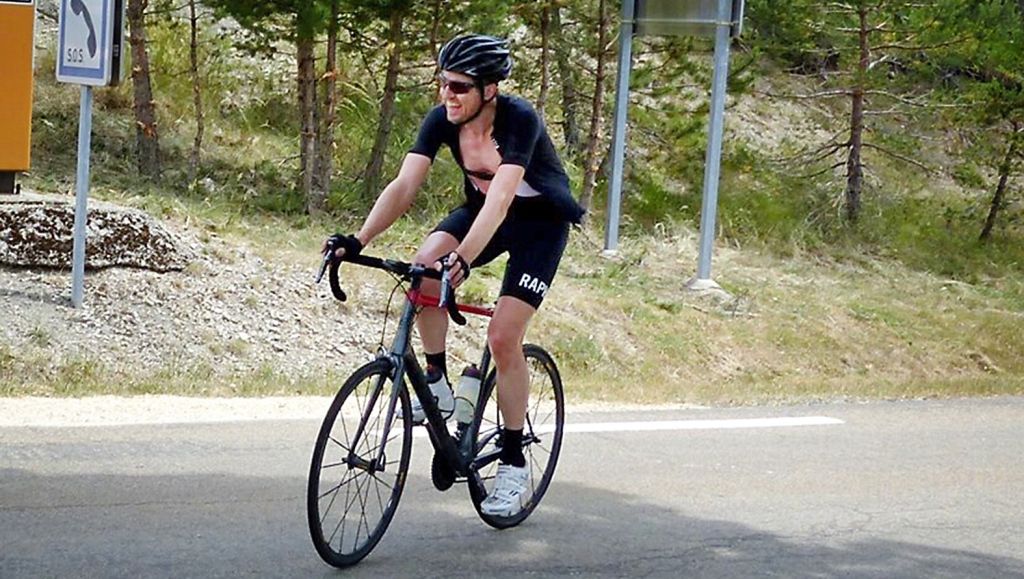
(542,435)
(362,400)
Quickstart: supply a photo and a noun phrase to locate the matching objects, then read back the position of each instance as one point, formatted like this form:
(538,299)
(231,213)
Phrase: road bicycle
(361,458)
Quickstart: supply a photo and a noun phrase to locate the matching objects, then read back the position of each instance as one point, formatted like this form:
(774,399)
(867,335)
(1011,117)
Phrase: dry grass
(626,329)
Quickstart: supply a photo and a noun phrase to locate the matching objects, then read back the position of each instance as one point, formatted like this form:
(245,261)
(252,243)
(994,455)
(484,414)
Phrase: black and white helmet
(485,58)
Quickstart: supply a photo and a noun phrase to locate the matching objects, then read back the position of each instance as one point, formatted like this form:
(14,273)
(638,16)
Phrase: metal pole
(713,160)
(611,235)
(81,196)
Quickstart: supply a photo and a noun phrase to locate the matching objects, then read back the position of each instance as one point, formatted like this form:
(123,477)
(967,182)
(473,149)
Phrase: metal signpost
(719,18)
(611,229)
(91,35)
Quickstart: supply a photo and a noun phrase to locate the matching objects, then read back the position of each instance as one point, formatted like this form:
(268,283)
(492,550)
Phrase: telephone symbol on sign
(79,8)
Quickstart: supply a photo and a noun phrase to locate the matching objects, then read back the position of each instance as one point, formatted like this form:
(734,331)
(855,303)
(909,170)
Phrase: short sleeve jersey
(521,139)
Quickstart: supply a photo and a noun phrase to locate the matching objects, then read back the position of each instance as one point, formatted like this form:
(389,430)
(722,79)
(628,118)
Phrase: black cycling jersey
(521,139)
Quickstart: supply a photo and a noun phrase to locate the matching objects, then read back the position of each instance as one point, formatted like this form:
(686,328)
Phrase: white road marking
(662,425)
(669,425)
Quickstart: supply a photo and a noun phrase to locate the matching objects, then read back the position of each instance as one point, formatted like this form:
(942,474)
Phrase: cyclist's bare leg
(505,336)
(432,323)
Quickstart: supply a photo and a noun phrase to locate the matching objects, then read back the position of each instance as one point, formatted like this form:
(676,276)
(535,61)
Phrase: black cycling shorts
(534,245)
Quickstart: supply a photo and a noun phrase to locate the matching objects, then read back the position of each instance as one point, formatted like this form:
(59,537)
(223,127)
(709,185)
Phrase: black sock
(439,361)
(512,448)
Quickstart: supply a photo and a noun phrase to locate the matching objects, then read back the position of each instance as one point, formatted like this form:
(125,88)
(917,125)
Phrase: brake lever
(447,297)
(446,286)
(323,267)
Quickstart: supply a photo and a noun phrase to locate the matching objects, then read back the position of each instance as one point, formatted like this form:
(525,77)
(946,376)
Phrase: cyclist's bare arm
(499,197)
(396,198)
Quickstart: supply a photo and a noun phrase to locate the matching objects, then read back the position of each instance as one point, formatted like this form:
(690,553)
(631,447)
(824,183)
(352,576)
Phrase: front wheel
(358,472)
(542,435)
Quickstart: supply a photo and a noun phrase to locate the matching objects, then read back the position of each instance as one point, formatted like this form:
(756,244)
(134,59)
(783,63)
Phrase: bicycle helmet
(485,58)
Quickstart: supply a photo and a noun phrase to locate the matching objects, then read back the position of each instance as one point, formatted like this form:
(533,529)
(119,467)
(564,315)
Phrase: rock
(984,363)
(37,231)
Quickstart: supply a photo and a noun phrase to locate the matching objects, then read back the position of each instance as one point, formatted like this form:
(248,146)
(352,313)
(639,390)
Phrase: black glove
(462,262)
(350,243)
(465,267)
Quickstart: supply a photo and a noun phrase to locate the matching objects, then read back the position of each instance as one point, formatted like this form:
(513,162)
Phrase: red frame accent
(418,298)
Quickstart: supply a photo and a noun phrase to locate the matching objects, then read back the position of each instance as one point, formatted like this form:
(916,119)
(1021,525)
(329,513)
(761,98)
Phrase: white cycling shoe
(510,492)
(442,396)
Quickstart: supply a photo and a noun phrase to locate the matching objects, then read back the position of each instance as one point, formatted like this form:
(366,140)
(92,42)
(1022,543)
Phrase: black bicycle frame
(403,363)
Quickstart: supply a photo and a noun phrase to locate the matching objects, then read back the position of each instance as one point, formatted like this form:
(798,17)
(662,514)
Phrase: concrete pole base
(706,286)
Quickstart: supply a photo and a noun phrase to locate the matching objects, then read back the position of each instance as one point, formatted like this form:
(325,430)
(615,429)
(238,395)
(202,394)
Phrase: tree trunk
(306,62)
(545,35)
(435,29)
(570,127)
(197,94)
(325,146)
(372,175)
(854,167)
(1000,194)
(590,166)
(146,137)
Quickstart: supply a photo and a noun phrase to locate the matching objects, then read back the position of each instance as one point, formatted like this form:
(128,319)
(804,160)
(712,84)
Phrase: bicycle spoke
(355,497)
(330,504)
(376,488)
(339,485)
(362,512)
(351,500)
(341,521)
(344,427)
(347,508)
(533,477)
(539,446)
(336,441)
(536,411)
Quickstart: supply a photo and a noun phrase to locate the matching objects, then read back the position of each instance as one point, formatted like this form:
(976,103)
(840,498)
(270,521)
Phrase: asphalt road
(911,489)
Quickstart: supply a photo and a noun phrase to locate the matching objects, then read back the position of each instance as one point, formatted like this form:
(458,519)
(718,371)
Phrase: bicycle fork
(397,359)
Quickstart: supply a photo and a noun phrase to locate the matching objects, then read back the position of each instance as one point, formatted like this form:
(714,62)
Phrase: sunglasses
(455,86)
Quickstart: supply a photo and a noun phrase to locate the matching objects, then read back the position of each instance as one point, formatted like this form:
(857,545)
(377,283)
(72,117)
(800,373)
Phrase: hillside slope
(246,319)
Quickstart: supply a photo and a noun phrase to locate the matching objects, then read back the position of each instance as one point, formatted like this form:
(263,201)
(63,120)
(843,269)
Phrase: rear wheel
(356,476)
(542,435)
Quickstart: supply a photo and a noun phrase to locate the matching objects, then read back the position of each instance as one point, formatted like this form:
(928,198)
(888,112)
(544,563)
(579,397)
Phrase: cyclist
(517,201)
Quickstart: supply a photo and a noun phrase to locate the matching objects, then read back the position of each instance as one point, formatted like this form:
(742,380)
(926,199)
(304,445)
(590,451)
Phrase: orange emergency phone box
(17,24)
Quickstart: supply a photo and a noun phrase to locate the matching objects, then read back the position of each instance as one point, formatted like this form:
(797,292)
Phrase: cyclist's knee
(430,287)
(437,245)
(505,342)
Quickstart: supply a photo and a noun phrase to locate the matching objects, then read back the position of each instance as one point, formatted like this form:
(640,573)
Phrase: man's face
(459,95)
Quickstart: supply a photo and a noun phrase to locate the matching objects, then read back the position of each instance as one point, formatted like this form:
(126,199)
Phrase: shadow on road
(224,525)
